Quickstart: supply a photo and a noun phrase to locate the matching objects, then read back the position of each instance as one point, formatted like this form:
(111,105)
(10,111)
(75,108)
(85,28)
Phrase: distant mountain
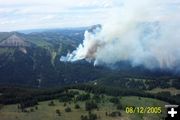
(52,30)
(93,28)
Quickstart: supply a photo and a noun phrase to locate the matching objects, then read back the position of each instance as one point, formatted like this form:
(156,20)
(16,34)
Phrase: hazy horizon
(29,30)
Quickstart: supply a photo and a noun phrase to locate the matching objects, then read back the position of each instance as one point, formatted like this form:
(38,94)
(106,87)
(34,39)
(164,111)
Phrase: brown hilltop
(14,41)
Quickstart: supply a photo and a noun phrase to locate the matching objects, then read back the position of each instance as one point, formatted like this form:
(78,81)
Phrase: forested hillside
(33,60)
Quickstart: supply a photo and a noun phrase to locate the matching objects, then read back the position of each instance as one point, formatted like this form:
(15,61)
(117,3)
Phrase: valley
(55,108)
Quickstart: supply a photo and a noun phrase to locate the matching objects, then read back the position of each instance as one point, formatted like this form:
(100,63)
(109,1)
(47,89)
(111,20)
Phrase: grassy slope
(144,102)
(173,91)
(45,112)
(40,43)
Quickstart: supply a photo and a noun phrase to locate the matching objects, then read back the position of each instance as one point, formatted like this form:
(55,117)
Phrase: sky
(33,14)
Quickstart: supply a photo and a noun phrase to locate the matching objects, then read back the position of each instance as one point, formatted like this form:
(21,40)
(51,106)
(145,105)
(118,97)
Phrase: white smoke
(146,33)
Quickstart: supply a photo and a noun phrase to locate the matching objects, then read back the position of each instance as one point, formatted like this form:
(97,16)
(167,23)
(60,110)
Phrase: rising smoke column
(144,33)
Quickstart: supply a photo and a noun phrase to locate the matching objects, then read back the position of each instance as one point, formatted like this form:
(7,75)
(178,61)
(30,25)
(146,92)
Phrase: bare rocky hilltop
(14,41)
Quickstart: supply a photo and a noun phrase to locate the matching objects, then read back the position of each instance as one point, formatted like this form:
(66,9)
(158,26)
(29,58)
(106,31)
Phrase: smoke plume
(145,32)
